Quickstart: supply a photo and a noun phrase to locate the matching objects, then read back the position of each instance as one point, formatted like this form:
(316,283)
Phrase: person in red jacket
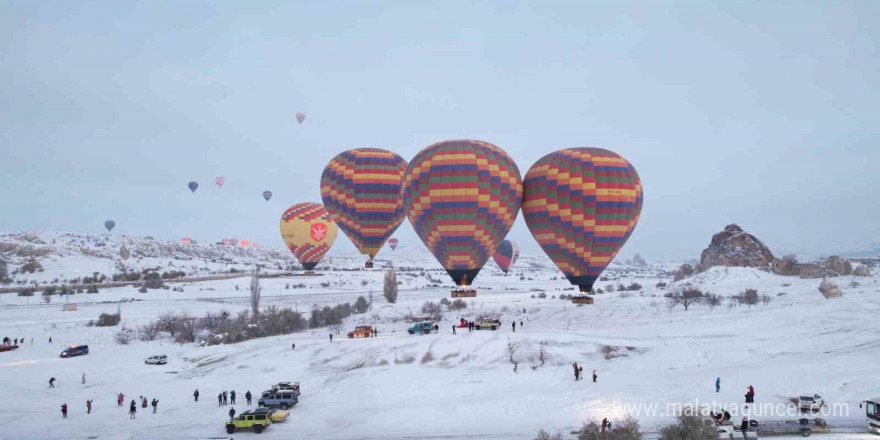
(64,410)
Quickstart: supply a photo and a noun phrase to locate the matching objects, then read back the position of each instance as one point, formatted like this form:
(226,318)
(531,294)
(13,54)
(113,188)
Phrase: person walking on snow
(155,404)
(52,382)
(143,402)
(231,413)
(88,406)
(576,371)
(220,399)
(120,399)
(64,410)
(513,325)
(232,396)
(594,375)
(718,385)
(247,396)
(225,398)
(331,338)
(84,379)
(293,345)
(196,394)
(132,410)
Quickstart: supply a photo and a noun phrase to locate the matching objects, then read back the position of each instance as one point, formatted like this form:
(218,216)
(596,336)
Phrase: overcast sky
(760,113)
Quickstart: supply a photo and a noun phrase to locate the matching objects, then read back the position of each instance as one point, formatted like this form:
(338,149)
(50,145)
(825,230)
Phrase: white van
(159,359)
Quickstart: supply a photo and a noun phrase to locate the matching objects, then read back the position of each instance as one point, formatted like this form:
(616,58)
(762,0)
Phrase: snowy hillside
(483,384)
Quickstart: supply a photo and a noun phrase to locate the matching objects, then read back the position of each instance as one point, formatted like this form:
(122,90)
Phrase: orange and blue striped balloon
(581,205)
(361,191)
(462,197)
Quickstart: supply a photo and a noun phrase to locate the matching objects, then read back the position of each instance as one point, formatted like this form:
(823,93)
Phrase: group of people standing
(579,372)
(120,401)
(7,341)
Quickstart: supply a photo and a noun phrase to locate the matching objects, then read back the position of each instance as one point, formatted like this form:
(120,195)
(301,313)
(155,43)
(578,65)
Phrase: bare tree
(389,290)
(167,322)
(685,296)
(124,336)
(255,296)
(713,301)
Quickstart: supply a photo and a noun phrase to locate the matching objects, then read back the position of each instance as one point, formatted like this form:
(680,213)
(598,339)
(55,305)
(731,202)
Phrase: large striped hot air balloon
(581,205)
(361,191)
(308,232)
(462,197)
(506,255)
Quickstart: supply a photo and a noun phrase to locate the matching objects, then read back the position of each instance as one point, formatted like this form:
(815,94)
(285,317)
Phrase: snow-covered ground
(484,384)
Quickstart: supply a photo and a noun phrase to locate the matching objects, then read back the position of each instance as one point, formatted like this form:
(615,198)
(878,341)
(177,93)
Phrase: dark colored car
(75,350)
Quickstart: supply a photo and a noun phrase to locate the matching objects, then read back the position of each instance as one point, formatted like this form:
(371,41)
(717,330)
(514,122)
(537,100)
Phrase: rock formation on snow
(862,270)
(684,271)
(787,265)
(829,289)
(735,247)
(638,261)
(838,265)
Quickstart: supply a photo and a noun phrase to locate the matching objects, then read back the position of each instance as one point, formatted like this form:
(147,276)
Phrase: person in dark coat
(594,375)
(64,410)
(513,326)
(88,406)
(744,426)
(52,382)
(293,345)
(718,385)
(331,337)
(247,396)
(576,371)
(225,398)
(220,399)
(605,425)
(231,413)
(196,395)
(155,404)
(453,329)
(232,396)
(132,409)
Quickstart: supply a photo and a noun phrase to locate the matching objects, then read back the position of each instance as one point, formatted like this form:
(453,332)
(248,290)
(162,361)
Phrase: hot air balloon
(392,243)
(185,240)
(506,255)
(219,182)
(109,224)
(308,231)
(361,191)
(462,197)
(245,243)
(193,186)
(301,117)
(581,205)
(267,195)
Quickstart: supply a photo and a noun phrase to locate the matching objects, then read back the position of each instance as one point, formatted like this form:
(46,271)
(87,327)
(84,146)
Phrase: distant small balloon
(392,243)
(220,181)
(193,186)
(267,195)
(300,117)
(109,224)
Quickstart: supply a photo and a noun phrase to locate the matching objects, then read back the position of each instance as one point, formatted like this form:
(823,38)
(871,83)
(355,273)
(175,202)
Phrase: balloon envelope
(462,197)
(392,243)
(308,232)
(220,181)
(267,195)
(300,117)
(185,240)
(361,191)
(109,224)
(193,186)
(506,255)
(581,205)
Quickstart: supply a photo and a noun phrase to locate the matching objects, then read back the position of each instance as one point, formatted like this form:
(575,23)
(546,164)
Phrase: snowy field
(480,385)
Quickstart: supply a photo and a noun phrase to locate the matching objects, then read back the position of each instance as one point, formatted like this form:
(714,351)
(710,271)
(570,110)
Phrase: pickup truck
(257,420)
(488,324)
(361,331)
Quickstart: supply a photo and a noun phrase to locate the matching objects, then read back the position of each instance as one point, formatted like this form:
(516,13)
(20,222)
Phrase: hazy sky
(760,113)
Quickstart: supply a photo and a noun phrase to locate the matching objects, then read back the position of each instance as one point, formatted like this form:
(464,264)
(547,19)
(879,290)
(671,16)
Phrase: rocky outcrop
(638,261)
(829,289)
(684,271)
(787,265)
(809,271)
(862,270)
(838,265)
(735,247)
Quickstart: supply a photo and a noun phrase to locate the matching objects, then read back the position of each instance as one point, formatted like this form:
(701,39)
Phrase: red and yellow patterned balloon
(462,197)
(308,232)
(581,205)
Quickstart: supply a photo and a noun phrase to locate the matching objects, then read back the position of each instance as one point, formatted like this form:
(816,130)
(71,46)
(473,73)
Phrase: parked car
(488,324)
(422,328)
(361,331)
(282,398)
(258,420)
(158,359)
(811,403)
(283,387)
(75,350)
